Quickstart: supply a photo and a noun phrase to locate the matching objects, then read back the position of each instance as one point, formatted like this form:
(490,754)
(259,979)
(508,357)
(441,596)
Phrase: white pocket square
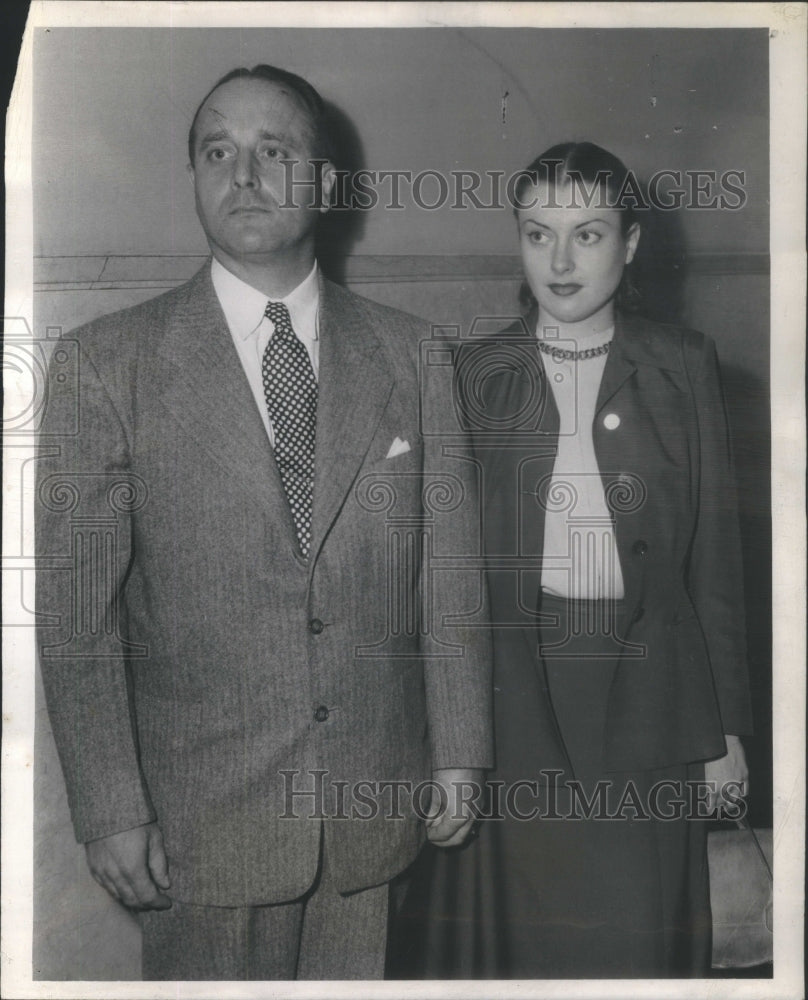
(398,447)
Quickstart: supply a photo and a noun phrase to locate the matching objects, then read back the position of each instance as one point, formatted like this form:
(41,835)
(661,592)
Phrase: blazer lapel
(354,386)
(206,390)
(524,456)
(634,349)
(619,364)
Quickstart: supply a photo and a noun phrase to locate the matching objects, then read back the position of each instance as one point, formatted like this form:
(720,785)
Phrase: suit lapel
(619,364)
(355,384)
(524,458)
(206,390)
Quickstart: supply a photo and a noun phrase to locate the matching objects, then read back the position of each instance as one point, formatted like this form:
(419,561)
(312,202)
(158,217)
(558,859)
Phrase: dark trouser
(322,935)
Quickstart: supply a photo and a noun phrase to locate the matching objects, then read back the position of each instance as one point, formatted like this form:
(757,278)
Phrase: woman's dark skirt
(620,893)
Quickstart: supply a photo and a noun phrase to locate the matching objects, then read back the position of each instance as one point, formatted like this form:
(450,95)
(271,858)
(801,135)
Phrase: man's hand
(132,867)
(452,812)
(729,770)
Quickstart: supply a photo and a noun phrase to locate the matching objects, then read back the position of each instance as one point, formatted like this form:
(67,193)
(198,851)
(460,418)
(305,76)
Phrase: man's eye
(217,153)
(270,153)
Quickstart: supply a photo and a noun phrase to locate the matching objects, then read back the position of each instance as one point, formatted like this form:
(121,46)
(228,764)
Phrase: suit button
(639,548)
(316,626)
(638,614)
(320,713)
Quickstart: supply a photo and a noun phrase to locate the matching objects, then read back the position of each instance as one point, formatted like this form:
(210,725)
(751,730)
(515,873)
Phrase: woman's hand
(452,811)
(728,776)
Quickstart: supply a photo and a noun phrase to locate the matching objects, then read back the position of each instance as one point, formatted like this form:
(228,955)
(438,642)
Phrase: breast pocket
(391,451)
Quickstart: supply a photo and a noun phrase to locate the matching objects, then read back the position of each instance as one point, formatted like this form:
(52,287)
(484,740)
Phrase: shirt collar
(244,306)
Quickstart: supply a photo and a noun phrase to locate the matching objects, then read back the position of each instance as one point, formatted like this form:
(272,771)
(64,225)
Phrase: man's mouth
(566,289)
(248,209)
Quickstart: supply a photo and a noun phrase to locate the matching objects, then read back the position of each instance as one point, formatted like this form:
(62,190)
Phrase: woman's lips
(565,290)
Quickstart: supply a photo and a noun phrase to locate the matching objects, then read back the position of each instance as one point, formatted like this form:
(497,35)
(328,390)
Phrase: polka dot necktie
(290,390)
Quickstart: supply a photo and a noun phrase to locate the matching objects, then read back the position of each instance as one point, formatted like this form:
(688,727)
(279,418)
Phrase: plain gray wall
(112,110)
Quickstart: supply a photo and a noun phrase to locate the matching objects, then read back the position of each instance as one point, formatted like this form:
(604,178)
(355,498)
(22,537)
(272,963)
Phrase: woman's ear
(632,239)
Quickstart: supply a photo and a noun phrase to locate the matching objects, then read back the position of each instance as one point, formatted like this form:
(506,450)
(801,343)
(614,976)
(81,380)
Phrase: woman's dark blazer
(662,445)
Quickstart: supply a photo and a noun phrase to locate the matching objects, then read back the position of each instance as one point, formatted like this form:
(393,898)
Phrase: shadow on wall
(659,265)
(340,230)
(661,272)
(747,400)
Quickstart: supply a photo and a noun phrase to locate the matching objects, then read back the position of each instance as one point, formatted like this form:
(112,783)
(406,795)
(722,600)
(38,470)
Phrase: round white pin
(611,421)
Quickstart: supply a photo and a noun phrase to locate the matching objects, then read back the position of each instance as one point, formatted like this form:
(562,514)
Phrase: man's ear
(328,179)
(189,169)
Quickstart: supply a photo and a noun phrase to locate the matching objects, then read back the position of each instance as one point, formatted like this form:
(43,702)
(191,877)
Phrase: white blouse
(580,552)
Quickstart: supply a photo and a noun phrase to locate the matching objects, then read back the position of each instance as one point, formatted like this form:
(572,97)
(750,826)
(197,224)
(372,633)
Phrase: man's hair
(315,106)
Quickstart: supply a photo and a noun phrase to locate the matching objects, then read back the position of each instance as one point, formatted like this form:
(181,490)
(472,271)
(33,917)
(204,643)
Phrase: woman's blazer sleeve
(715,570)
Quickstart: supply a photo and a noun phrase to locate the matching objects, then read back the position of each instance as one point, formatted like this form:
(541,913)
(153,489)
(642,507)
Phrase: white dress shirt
(244,308)
(580,551)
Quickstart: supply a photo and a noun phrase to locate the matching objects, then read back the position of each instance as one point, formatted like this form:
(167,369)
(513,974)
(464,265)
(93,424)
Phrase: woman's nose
(562,259)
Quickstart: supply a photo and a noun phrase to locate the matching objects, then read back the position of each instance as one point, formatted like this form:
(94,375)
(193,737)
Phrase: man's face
(243,131)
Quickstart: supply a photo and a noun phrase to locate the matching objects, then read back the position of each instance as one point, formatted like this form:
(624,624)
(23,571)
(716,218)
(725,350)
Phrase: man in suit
(246,655)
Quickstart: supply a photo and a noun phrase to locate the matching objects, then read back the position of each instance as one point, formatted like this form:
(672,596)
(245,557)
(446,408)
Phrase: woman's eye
(538,237)
(588,237)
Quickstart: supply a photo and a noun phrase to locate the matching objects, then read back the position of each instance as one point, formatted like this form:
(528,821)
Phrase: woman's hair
(598,175)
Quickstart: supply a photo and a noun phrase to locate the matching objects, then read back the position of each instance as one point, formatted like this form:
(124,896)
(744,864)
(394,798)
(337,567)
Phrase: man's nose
(244,170)
(562,258)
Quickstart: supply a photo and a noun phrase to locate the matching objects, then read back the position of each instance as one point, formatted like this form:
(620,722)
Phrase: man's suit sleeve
(458,687)
(83,541)
(715,576)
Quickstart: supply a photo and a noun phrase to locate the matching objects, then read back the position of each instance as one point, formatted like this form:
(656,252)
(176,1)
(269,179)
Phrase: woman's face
(573,257)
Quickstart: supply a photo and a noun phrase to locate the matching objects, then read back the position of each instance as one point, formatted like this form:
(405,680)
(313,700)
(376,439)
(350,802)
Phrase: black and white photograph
(404,480)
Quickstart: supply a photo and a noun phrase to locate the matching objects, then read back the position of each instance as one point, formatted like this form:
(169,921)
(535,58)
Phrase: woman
(614,571)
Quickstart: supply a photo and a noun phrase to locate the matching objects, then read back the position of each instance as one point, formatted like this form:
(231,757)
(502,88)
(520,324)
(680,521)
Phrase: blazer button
(638,614)
(320,713)
(316,626)
(639,548)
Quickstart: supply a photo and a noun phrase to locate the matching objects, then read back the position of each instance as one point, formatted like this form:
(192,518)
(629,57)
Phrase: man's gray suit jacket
(199,672)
